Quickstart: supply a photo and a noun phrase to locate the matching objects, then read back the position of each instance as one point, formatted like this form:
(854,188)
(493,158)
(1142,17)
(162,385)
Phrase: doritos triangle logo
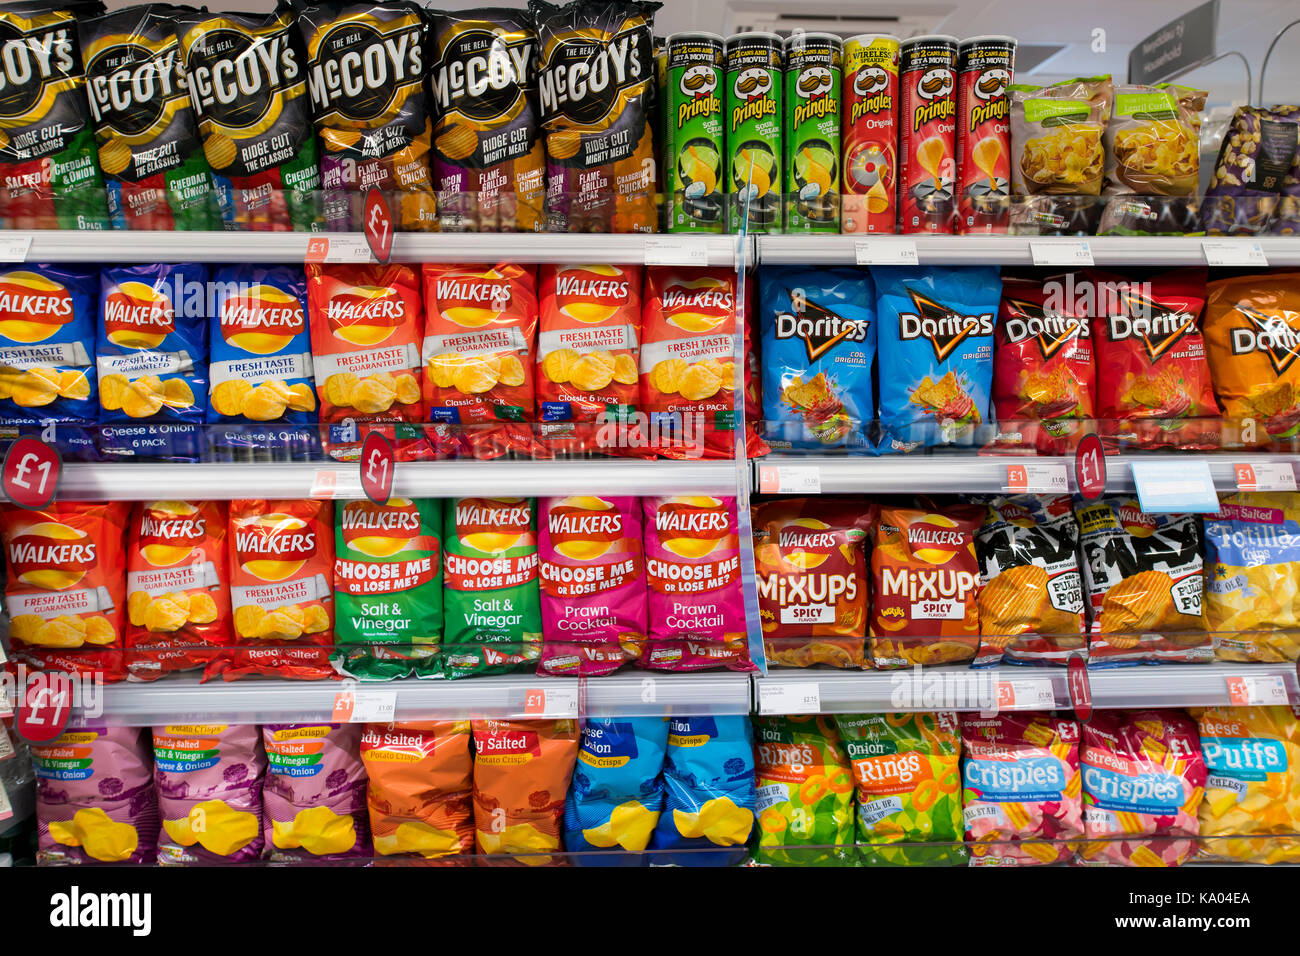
(1158,326)
(944,328)
(1050,330)
(1270,334)
(820,329)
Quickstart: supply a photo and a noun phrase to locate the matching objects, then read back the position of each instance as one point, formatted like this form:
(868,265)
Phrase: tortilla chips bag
(805,792)
(1056,136)
(314,799)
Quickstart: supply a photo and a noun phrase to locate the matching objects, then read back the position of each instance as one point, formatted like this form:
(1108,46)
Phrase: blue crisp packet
(617,793)
(819,344)
(936,353)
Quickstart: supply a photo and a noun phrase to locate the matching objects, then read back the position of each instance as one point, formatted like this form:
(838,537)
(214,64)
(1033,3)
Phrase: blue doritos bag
(819,343)
(936,353)
(617,792)
(709,792)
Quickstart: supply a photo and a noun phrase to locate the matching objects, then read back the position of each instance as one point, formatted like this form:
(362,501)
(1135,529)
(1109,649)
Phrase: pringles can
(813,65)
(927,76)
(753,132)
(984,71)
(869,128)
(693,130)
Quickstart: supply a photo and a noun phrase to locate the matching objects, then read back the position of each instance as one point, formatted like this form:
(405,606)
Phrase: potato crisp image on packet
(1056,136)
(1153,141)
(314,799)
(617,792)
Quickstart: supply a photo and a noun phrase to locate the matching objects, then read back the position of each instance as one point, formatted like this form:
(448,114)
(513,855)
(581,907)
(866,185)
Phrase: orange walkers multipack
(177,602)
(281,589)
(66,585)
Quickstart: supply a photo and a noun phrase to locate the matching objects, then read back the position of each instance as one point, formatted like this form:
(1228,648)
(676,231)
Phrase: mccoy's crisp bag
(387,587)
(419,789)
(521,774)
(150,151)
(804,792)
(492,614)
(1252,757)
(95,800)
(907,769)
(695,598)
(1252,339)
(617,792)
(488,157)
(49,178)
(1031,593)
(593,584)
(209,779)
(314,800)
(936,352)
(366,64)
(1056,136)
(811,566)
(925,581)
(1252,586)
(177,601)
(1143,779)
(1152,141)
(1143,577)
(819,346)
(281,589)
(1022,788)
(596,85)
(65,586)
(247,74)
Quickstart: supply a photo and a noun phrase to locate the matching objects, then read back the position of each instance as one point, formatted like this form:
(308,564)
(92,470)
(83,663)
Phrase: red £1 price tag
(377,468)
(1090,467)
(1080,687)
(378,225)
(31,473)
(44,706)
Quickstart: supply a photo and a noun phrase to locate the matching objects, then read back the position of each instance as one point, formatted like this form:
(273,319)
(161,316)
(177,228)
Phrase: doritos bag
(617,792)
(924,587)
(314,800)
(596,83)
(1153,382)
(805,792)
(1143,576)
(149,146)
(811,568)
(49,177)
(819,344)
(936,352)
(1252,338)
(247,75)
(1031,592)
(419,787)
(488,156)
(66,585)
(281,589)
(366,64)
(177,597)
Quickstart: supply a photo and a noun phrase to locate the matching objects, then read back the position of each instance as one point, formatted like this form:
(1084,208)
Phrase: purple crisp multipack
(314,800)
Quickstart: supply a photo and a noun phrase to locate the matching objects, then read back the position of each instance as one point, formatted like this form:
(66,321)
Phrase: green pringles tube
(693,118)
(492,621)
(387,588)
(752,130)
(813,67)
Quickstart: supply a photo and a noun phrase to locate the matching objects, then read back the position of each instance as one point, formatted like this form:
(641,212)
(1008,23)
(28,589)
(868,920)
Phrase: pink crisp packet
(1143,777)
(593,584)
(209,779)
(1020,773)
(95,800)
(695,602)
(314,800)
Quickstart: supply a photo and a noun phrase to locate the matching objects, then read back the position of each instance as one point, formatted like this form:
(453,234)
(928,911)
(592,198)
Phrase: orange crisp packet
(419,790)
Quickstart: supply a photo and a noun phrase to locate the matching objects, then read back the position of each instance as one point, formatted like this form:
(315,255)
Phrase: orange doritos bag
(281,590)
(177,602)
(66,585)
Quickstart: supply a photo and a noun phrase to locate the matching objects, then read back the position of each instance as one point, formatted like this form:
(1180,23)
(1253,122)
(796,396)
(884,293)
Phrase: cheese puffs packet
(1143,780)
(1057,136)
(804,792)
(177,600)
(596,83)
(1144,585)
(419,788)
(1252,556)
(1022,788)
(65,585)
(314,800)
(1251,810)
(617,793)
(209,779)
(907,772)
(709,791)
(281,590)
(95,799)
(522,770)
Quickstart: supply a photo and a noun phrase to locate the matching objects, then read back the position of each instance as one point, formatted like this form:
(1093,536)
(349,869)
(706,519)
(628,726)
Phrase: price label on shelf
(31,473)
(553,702)
(379,225)
(44,706)
(886,252)
(1264,476)
(1037,478)
(1061,252)
(1030,693)
(1251,690)
(789,697)
(364,705)
(1090,467)
(1233,252)
(15,248)
(1175,487)
(338,248)
(789,480)
(378,463)
(676,251)
(324,484)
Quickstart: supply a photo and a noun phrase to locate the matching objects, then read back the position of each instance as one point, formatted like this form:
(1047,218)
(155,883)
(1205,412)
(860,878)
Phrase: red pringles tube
(927,77)
(870,134)
(984,71)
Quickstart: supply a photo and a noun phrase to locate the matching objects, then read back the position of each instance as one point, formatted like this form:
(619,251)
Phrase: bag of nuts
(1258,152)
